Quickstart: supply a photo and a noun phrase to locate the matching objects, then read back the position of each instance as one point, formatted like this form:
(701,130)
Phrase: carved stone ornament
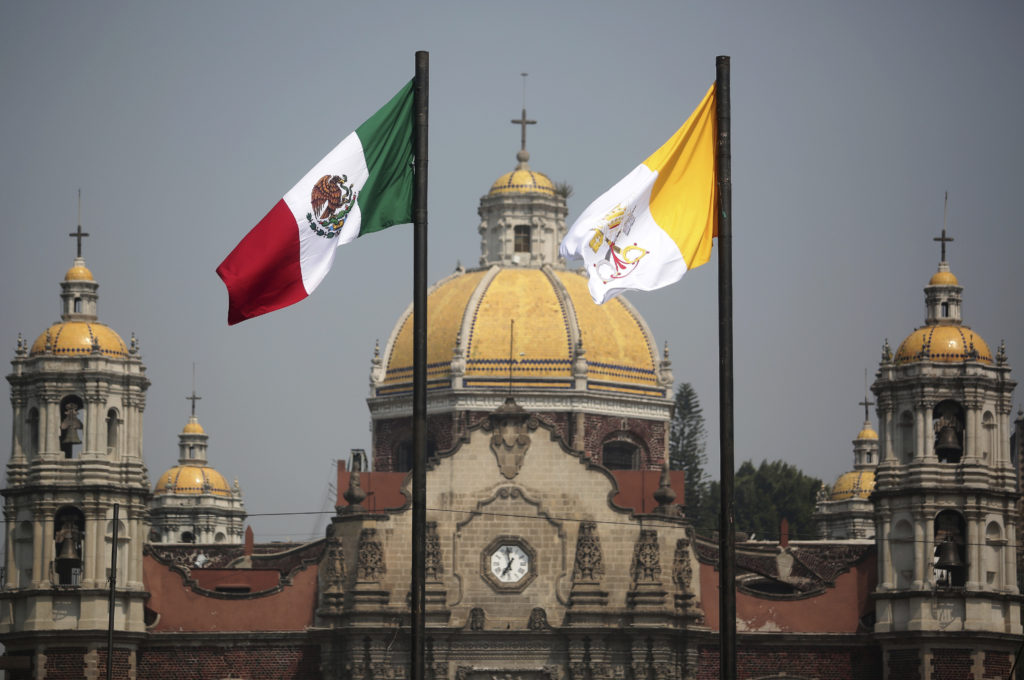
(538,619)
(682,571)
(646,566)
(433,566)
(589,565)
(476,618)
(510,426)
(371,557)
(333,563)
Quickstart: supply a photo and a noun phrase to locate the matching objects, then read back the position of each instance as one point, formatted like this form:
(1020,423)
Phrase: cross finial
(523,121)
(194,398)
(866,403)
(944,239)
(79,234)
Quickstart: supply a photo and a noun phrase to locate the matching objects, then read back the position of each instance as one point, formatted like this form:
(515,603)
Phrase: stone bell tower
(945,495)
(77,396)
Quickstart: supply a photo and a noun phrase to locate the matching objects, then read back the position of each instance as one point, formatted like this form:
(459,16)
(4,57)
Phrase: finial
(22,348)
(48,347)
(95,343)
(133,345)
(79,234)
(944,239)
(665,494)
(523,121)
(376,352)
(194,398)
(666,349)
(886,352)
(1001,353)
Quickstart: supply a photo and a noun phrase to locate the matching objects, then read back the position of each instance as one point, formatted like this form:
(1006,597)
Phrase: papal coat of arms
(619,260)
(332,199)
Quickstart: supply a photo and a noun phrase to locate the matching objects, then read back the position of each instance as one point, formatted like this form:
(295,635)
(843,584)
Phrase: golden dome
(948,343)
(867,433)
(473,309)
(193,427)
(522,181)
(79,272)
(75,338)
(192,479)
(943,278)
(855,484)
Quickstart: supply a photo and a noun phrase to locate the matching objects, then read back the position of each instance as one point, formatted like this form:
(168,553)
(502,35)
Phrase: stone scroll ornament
(371,557)
(333,562)
(589,564)
(510,426)
(646,566)
(433,566)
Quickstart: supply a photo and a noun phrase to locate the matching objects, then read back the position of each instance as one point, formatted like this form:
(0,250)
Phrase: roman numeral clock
(508,564)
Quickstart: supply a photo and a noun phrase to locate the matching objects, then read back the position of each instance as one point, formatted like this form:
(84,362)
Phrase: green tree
(687,450)
(773,490)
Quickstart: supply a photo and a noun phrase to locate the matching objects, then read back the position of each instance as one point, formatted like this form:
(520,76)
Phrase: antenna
(524,88)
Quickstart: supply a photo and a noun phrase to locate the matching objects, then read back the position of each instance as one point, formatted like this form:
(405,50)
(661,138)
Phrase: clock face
(510,563)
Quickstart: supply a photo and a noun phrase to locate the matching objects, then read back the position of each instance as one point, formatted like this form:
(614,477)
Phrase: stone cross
(523,121)
(79,235)
(943,240)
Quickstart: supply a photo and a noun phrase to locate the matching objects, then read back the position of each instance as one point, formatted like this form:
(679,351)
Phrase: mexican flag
(363,185)
(657,222)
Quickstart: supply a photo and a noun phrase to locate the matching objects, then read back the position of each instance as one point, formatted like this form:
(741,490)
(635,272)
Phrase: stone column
(49,419)
(885,580)
(885,424)
(48,552)
(10,564)
(921,433)
(1009,577)
(921,543)
(975,538)
(90,576)
(37,548)
(971,439)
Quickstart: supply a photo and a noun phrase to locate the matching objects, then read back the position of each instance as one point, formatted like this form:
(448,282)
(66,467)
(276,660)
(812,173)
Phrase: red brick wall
(281,662)
(599,429)
(997,664)
(820,662)
(68,663)
(389,434)
(904,664)
(951,664)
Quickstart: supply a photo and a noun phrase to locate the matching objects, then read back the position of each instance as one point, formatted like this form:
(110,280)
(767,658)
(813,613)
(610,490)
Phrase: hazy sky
(184,122)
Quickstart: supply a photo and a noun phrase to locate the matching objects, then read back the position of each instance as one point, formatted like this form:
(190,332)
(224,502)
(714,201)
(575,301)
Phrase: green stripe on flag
(386,198)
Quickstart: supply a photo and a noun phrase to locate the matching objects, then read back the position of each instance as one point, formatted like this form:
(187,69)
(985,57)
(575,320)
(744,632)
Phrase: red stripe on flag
(263,272)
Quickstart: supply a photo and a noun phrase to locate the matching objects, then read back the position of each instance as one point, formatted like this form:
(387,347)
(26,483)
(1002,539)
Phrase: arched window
(988,436)
(620,455)
(404,453)
(992,563)
(522,238)
(906,433)
(113,425)
(78,305)
(33,431)
(68,539)
(188,537)
(71,425)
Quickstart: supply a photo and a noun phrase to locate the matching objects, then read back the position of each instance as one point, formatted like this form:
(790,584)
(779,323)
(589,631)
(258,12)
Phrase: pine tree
(687,451)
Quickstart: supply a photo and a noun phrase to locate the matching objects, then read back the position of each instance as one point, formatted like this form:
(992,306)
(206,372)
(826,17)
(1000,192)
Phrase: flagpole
(419,373)
(726,529)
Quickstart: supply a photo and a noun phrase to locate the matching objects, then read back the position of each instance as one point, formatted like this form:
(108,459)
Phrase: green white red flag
(363,185)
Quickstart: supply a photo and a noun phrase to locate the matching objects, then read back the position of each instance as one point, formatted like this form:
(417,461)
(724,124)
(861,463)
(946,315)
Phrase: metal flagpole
(726,528)
(110,599)
(419,374)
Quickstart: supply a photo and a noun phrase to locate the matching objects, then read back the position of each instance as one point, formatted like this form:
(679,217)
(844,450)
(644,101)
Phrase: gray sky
(183,123)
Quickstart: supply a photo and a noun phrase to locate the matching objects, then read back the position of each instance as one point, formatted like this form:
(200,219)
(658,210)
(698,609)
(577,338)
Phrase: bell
(949,556)
(948,444)
(68,555)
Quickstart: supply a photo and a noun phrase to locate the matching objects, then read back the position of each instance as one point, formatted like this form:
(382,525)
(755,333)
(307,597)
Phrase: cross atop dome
(943,239)
(78,234)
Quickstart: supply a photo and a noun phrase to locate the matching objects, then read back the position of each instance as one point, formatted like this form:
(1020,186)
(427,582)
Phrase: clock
(508,563)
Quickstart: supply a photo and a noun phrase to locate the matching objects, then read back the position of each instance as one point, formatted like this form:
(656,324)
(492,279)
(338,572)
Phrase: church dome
(193,427)
(192,479)
(79,272)
(855,484)
(867,432)
(522,180)
(469,334)
(75,338)
(943,278)
(950,343)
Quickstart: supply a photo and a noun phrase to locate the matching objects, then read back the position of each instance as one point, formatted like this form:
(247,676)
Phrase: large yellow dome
(75,338)
(948,343)
(192,479)
(855,484)
(471,311)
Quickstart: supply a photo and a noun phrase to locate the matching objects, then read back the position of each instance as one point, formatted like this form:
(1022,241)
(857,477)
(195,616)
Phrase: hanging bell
(947,445)
(949,556)
(68,555)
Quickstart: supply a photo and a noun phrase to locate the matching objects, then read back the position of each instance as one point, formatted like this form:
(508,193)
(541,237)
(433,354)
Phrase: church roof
(949,343)
(192,479)
(853,484)
(75,338)
(470,314)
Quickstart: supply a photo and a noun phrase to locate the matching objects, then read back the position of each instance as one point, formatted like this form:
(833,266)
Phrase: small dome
(79,272)
(192,479)
(855,484)
(943,278)
(867,432)
(522,180)
(948,343)
(193,427)
(75,338)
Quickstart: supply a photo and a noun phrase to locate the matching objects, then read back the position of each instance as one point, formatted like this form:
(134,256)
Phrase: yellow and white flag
(658,221)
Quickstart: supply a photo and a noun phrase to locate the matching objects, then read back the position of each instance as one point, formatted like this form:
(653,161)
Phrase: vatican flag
(658,221)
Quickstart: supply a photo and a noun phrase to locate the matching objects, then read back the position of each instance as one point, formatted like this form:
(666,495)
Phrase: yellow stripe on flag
(684,196)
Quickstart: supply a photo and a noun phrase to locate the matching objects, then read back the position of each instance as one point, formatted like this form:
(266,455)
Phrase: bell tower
(77,396)
(945,495)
